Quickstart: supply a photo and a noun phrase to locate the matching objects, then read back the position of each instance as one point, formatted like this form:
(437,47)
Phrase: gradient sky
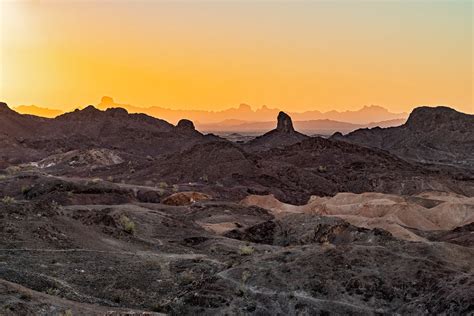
(297,55)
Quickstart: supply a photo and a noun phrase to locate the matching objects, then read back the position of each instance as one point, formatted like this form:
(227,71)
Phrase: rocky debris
(463,235)
(185,198)
(303,229)
(298,264)
(91,158)
(18,300)
(437,135)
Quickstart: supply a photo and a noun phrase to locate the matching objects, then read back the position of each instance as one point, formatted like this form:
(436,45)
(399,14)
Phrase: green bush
(8,199)
(127,224)
(246,250)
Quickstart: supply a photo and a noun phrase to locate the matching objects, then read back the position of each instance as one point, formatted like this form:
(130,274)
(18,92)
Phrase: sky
(212,55)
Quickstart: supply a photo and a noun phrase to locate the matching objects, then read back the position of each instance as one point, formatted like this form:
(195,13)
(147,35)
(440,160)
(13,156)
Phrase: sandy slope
(393,213)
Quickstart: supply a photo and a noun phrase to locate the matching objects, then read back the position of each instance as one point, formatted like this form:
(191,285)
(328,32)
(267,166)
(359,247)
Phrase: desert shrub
(55,206)
(25,189)
(322,169)
(8,199)
(12,170)
(53,291)
(163,185)
(127,224)
(186,277)
(67,312)
(175,188)
(25,296)
(246,250)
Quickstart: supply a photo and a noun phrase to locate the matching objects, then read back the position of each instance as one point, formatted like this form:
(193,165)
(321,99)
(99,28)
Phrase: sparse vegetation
(186,277)
(8,199)
(163,185)
(67,312)
(246,250)
(12,170)
(25,296)
(52,291)
(322,169)
(175,188)
(55,205)
(25,189)
(127,224)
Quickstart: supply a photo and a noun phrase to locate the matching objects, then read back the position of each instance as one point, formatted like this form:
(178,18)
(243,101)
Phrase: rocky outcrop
(439,135)
(283,135)
(186,125)
(284,125)
(5,110)
(185,198)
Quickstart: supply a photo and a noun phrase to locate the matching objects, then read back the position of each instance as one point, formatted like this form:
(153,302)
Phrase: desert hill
(438,135)
(113,129)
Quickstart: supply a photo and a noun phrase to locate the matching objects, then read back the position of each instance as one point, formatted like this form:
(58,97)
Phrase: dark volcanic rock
(5,109)
(283,135)
(437,135)
(186,125)
(285,124)
(115,129)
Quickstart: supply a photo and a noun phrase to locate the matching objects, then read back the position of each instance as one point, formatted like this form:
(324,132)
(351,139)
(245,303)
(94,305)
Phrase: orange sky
(213,55)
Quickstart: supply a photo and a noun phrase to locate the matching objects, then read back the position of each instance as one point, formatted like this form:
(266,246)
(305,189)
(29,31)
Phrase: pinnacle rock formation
(283,135)
(285,124)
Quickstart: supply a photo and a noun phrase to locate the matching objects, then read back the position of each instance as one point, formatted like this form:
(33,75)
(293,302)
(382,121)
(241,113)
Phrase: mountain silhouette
(431,134)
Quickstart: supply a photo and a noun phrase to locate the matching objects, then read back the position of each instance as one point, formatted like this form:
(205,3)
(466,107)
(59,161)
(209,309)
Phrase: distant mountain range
(312,127)
(38,111)
(243,112)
